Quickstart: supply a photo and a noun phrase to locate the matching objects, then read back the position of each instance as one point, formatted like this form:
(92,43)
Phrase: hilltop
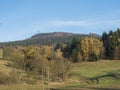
(54,34)
(48,39)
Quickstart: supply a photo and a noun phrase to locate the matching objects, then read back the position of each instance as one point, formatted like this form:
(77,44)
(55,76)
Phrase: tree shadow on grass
(88,88)
(96,79)
(95,88)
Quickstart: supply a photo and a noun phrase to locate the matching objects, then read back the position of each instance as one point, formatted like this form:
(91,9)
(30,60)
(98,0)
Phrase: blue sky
(19,19)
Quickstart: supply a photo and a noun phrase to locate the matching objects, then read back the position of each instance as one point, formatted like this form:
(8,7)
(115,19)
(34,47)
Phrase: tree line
(111,43)
(53,63)
(93,48)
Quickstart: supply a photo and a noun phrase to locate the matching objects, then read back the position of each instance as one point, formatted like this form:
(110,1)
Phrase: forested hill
(48,39)
(54,34)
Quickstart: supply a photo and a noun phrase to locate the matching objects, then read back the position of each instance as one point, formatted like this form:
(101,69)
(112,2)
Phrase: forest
(53,63)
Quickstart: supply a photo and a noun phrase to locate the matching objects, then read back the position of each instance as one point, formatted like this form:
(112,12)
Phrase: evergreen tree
(111,43)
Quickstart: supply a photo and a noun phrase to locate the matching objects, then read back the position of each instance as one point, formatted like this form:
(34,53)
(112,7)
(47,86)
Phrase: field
(101,75)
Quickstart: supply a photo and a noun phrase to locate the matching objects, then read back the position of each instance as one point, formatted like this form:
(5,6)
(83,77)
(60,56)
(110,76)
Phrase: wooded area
(53,63)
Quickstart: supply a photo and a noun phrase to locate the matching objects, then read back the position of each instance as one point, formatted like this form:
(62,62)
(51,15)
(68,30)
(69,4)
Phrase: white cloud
(84,23)
(62,23)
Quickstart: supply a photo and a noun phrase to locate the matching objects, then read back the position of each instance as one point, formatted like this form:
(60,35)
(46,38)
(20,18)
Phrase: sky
(20,19)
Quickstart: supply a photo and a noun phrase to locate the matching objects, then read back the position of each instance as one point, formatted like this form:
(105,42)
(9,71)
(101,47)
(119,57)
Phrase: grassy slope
(3,67)
(93,69)
(87,70)
(80,73)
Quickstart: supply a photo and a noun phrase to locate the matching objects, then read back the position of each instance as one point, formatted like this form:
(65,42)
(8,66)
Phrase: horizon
(49,33)
(22,19)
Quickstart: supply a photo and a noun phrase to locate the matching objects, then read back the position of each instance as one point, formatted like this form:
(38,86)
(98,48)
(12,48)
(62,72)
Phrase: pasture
(100,75)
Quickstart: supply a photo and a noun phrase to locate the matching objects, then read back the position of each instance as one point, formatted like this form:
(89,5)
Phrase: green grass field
(84,76)
(101,75)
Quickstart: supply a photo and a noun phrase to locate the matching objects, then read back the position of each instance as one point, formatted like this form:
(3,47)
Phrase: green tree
(111,43)
(73,50)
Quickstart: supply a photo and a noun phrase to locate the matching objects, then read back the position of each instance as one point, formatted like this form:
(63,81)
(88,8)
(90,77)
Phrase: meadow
(100,75)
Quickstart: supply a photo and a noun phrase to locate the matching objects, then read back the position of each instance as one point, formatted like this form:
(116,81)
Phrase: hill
(54,34)
(48,39)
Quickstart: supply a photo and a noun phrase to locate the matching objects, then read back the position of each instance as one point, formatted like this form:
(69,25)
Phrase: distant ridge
(54,34)
(48,39)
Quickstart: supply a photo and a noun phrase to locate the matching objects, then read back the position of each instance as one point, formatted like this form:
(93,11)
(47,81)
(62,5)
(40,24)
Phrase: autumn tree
(91,48)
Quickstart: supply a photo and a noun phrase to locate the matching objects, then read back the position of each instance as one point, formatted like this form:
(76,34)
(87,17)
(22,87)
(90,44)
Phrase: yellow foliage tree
(91,48)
